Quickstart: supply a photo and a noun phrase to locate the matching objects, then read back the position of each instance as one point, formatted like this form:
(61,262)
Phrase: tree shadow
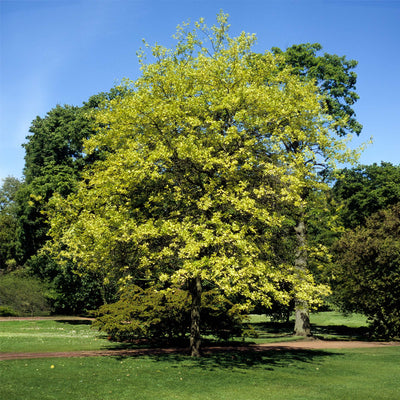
(341,332)
(326,332)
(267,360)
(74,321)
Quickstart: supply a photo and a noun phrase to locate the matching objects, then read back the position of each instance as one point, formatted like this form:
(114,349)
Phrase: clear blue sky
(63,51)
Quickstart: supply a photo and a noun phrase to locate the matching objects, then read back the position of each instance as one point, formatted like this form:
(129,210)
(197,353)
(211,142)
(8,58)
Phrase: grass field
(50,335)
(75,335)
(368,373)
(346,374)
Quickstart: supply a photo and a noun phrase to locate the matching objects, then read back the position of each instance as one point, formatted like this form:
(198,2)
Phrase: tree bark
(195,337)
(302,318)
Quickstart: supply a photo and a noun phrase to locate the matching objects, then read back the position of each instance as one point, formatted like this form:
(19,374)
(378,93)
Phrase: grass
(49,335)
(346,374)
(75,335)
(325,325)
(368,373)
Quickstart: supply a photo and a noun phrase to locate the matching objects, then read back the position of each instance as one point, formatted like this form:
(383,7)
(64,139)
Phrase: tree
(367,271)
(336,82)
(197,173)
(54,161)
(9,244)
(335,78)
(366,189)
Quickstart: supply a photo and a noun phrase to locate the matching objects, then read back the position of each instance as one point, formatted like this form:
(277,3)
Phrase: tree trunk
(302,318)
(195,337)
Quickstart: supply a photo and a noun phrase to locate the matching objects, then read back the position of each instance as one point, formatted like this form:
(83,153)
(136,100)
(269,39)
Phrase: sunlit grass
(356,374)
(49,335)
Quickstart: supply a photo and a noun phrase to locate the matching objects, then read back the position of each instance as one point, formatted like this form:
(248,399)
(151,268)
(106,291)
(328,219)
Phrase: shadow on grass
(341,332)
(241,360)
(326,332)
(74,321)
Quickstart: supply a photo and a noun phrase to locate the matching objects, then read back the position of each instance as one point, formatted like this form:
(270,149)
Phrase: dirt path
(299,345)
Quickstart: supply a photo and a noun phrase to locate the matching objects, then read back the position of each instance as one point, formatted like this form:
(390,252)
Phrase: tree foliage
(336,82)
(366,189)
(165,315)
(9,243)
(23,294)
(335,78)
(198,170)
(367,271)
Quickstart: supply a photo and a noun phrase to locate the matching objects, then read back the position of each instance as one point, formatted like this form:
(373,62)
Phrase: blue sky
(63,51)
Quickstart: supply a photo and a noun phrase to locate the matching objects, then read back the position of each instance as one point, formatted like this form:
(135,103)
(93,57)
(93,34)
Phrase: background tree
(54,161)
(9,244)
(367,271)
(336,82)
(21,294)
(333,75)
(197,173)
(366,189)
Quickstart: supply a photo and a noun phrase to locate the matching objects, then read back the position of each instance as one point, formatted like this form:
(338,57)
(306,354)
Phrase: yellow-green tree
(197,172)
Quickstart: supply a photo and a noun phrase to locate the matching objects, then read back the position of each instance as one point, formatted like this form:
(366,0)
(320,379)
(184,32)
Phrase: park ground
(78,363)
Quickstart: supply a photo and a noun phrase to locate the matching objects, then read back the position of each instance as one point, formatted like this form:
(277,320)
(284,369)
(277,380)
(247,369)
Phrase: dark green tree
(366,189)
(54,160)
(333,74)
(367,271)
(9,244)
(336,81)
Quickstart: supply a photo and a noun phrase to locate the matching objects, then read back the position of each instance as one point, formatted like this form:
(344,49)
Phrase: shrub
(23,294)
(165,314)
(6,311)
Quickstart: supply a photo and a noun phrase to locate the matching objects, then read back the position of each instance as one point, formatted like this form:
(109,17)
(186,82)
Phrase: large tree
(335,77)
(336,82)
(197,173)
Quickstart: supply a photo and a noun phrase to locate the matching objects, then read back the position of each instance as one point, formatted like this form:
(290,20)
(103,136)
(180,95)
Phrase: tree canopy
(367,271)
(335,78)
(366,189)
(197,171)
(9,244)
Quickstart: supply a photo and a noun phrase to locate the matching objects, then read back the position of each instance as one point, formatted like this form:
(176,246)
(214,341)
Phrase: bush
(165,314)
(22,294)
(6,311)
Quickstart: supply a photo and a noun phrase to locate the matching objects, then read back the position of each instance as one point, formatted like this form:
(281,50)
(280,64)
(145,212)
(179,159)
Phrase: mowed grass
(74,335)
(371,373)
(368,373)
(324,325)
(49,335)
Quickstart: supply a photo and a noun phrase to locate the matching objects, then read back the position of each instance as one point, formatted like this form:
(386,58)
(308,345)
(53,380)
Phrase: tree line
(212,177)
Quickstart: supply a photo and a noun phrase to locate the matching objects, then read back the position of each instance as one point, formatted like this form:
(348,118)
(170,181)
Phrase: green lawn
(49,335)
(368,373)
(346,374)
(72,335)
(325,325)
